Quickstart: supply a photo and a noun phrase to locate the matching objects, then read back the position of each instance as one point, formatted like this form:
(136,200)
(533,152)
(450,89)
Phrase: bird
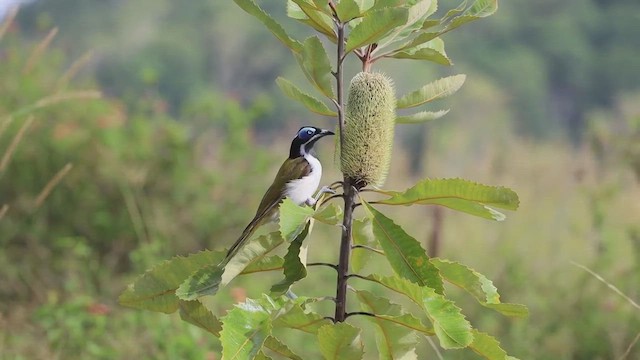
(297,179)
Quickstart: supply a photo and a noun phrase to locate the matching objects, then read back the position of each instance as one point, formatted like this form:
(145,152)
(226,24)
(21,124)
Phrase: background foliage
(160,164)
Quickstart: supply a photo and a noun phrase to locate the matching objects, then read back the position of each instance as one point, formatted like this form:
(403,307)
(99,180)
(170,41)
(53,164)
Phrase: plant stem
(349,191)
(345,252)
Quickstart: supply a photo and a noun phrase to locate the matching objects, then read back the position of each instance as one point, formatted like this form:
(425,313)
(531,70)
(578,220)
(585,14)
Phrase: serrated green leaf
(330,215)
(348,10)
(317,18)
(155,289)
(270,263)
(340,341)
(280,348)
(451,327)
(458,194)
(261,356)
(253,252)
(423,53)
(419,40)
(405,255)
(435,90)
(362,235)
(420,117)
(247,327)
(299,319)
(311,103)
(488,347)
(295,262)
(244,330)
(250,7)
(477,10)
(374,26)
(381,4)
(194,312)
(208,279)
(315,65)
(393,341)
(293,219)
(409,321)
(418,11)
(477,285)
(431,51)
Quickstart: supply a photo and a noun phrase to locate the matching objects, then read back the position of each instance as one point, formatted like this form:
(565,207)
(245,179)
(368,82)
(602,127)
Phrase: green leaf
(207,280)
(405,255)
(393,341)
(420,117)
(293,219)
(250,7)
(330,215)
(194,312)
(299,319)
(295,262)
(409,321)
(340,341)
(477,285)
(261,356)
(316,18)
(431,51)
(362,235)
(244,330)
(279,348)
(315,65)
(270,263)
(416,14)
(435,90)
(253,252)
(247,327)
(479,9)
(348,10)
(419,40)
(488,347)
(155,289)
(450,326)
(310,102)
(458,194)
(375,26)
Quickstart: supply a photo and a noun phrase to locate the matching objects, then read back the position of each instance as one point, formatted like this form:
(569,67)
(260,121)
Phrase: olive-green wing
(290,169)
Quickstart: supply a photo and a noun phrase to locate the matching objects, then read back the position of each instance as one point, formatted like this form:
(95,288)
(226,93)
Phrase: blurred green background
(175,155)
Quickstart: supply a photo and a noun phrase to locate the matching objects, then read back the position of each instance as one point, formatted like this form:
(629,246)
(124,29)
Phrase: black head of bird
(298,179)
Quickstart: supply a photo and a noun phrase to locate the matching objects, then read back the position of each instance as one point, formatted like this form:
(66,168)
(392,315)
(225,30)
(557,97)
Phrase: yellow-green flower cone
(368,131)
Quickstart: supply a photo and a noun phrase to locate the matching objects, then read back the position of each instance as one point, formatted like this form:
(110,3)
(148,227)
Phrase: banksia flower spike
(368,130)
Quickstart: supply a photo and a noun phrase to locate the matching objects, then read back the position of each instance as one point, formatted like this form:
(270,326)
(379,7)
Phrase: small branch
(333,266)
(358,276)
(377,251)
(626,353)
(360,313)
(611,286)
(52,184)
(333,197)
(3,210)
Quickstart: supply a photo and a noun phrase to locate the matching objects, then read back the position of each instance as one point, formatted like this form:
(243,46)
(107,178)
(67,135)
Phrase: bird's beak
(326,132)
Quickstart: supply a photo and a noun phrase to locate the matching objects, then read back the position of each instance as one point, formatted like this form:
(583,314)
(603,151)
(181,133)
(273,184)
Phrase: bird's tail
(246,234)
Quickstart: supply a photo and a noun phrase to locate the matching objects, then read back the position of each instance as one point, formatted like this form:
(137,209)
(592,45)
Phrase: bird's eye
(309,132)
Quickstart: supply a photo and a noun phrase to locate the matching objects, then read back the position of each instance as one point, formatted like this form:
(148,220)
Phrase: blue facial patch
(306,133)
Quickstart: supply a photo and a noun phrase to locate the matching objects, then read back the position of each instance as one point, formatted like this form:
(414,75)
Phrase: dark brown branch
(360,313)
(333,266)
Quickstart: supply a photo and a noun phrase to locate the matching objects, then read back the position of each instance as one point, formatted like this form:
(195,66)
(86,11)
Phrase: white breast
(302,189)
